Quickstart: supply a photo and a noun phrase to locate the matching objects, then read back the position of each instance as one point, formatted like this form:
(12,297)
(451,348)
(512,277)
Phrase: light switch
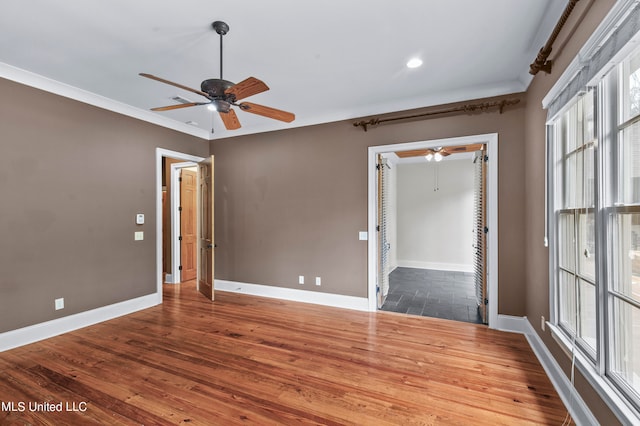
(363,235)
(138,236)
(140,218)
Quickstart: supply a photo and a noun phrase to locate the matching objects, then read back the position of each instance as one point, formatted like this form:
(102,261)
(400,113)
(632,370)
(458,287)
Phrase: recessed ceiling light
(414,63)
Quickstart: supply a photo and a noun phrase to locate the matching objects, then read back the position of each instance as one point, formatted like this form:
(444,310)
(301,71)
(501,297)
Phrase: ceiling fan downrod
(221,28)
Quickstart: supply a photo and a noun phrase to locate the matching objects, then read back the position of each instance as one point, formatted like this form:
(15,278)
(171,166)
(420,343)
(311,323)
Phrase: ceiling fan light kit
(223,94)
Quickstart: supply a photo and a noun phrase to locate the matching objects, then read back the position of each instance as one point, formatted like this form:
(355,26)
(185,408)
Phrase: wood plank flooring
(251,360)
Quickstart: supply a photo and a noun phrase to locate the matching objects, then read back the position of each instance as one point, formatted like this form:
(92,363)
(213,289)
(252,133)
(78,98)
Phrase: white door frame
(161,152)
(491,140)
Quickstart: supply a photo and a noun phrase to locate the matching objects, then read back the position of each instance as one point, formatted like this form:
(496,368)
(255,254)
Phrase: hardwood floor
(251,360)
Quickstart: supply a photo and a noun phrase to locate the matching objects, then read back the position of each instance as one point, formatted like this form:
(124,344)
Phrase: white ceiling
(324,61)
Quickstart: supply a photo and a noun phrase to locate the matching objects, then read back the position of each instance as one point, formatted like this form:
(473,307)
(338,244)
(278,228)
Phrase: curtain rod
(541,62)
(479,107)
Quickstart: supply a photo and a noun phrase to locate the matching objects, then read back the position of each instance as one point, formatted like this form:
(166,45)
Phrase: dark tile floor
(431,293)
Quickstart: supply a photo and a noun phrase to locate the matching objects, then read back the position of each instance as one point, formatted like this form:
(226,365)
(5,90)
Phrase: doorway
(164,156)
(428,230)
(456,275)
(179,220)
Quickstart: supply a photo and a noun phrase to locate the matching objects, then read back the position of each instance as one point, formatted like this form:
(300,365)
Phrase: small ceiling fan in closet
(439,153)
(222,94)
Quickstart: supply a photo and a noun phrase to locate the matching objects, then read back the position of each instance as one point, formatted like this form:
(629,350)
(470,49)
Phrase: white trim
(576,406)
(491,140)
(456,267)
(161,152)
(48,85)
(24,336)
(609,394)
(512,324)
(295,295)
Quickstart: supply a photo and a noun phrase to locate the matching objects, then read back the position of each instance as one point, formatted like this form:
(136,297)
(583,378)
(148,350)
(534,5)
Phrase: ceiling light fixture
(435,154)
(414,63)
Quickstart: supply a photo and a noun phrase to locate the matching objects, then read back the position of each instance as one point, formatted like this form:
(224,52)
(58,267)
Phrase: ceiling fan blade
(462,148)
(177,106)
(269,112)
(162,80)
(230,120)
(249,87)
(414,153)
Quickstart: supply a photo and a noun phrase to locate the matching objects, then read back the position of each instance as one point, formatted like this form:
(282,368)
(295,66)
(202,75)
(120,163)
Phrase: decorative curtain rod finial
(541,62)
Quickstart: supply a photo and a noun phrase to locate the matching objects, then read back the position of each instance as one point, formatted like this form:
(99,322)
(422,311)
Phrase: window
(575,209)
(595,205)
(623,224)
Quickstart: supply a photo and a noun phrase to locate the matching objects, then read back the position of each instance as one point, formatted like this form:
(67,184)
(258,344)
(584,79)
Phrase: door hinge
(377,166)
(486,301)
(486,158)
(179,179)
(378,228)
(180,238)
(180,208)
(180,268)
(486,230)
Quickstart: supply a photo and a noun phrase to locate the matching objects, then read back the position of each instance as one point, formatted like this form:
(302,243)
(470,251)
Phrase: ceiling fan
(222,94)
(439,152)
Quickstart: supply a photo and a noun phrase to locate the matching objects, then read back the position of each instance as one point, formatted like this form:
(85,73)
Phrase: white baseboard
(571,399)
(456,267)
(295,295)
(33,333)
(512,324)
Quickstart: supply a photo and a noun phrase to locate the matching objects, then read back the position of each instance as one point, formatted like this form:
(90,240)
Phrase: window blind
(480,261)
(598,55)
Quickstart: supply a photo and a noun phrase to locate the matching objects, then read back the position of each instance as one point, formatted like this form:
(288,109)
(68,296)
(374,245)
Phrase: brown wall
(537,272)
(292,202)
(72,178)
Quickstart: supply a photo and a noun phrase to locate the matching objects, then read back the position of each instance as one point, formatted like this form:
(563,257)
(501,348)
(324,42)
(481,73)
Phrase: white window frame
(592,366)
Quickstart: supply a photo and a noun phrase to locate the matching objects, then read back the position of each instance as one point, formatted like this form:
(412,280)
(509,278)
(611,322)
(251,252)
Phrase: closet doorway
(179,221)
(169,165)
(431,240)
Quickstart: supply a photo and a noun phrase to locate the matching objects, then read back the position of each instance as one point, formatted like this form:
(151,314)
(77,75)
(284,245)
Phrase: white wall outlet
(138,235)
(542,322)
(59,303)
(301,279)
(140,219)
(318,281)
(363,235)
